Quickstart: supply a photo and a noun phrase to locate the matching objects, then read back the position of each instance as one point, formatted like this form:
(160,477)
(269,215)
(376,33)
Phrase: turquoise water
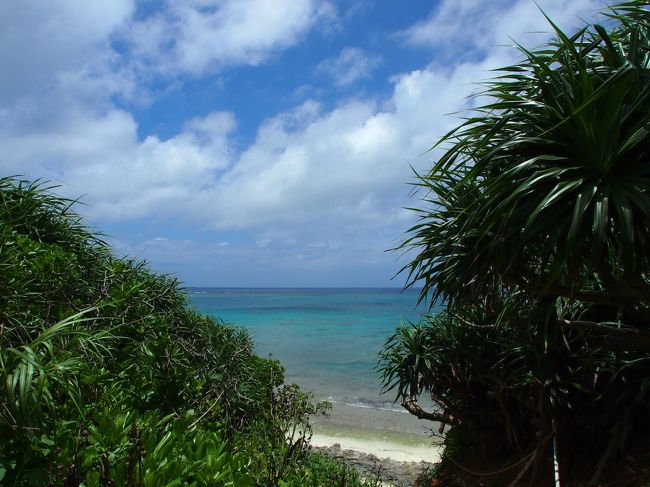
(327,339)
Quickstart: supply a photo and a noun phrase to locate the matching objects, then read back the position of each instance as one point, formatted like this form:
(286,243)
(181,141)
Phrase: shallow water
(328,341)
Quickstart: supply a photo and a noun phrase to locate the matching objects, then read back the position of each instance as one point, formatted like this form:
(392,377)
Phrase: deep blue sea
(327,339)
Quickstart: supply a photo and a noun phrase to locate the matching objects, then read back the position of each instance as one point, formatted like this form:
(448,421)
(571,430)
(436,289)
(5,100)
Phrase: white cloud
(460,26)
(45,46)
(64,51)
(344,170)
(352,64)
(316,187)
(199,36)
(123,177)
(61,71)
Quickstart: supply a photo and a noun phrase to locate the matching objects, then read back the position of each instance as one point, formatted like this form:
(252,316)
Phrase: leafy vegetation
(534,229)
(107,377)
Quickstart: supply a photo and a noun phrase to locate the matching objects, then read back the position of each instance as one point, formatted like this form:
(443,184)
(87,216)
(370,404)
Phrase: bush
(534,232)
(108,377)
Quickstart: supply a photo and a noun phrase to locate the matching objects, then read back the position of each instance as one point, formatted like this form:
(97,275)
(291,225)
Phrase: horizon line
(302,287)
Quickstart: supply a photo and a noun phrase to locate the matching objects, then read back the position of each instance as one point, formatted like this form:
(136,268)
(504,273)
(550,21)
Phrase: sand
(383,433)
(381,448)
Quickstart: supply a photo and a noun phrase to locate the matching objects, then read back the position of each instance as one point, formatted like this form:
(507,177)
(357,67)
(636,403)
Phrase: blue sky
(250,142)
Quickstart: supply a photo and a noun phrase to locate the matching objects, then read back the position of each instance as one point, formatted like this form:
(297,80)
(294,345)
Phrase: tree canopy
(545,187)
(534,231)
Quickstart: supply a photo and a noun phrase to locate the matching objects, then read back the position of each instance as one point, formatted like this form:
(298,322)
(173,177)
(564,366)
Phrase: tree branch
(469,323)
(629,338)
(603,328)
(412,406)
(620,298)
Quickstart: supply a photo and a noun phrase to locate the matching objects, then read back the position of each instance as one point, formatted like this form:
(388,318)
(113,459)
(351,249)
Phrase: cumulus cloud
(315,187)
(305,165)
(352,64)
(482,25)
(58,46)
(124,177)
(203,35)
(340,173)
(65,61)
(92,51)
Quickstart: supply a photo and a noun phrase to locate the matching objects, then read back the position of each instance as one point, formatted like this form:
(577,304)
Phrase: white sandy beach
(381,448)
(381,432)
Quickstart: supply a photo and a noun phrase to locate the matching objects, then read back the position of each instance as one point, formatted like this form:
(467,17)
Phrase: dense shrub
(108,377)
(534,231)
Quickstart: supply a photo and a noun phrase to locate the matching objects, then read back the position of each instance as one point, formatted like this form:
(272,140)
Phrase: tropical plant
(535,232)
(283,432)
(545,188)
(108,377)
(318,470)
(39,387)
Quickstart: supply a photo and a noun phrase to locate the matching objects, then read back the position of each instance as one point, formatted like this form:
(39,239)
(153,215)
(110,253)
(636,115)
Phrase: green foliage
(461,367)
(535,230)
(282,432)
(545,187)
(319,470)
(107,377)
(151,451)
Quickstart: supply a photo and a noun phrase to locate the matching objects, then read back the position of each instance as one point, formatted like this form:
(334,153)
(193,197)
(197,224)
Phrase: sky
(251,143)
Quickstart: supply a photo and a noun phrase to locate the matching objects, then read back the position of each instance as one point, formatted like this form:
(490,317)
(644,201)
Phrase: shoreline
(381,448)
(381,443)
(384,433)
(379,460)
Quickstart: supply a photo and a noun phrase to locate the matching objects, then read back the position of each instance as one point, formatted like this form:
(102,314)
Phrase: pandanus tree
(534,230)
(547,187)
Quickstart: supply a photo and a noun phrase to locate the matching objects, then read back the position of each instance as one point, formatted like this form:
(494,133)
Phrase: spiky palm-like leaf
(37,378)
(550,181)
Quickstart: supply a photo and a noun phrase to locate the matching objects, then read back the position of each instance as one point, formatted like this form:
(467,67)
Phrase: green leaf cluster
(534,231)
(108,377)
(547,183)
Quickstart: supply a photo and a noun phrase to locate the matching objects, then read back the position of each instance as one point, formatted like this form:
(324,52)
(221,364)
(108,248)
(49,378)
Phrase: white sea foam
(357,403)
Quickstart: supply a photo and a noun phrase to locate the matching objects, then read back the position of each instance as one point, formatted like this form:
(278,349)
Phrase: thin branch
(469,323)
(198,420)
(603,328)
(630,338)
(412,406)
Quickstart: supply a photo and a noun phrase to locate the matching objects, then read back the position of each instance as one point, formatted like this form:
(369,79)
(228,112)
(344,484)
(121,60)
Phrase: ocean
(328,340)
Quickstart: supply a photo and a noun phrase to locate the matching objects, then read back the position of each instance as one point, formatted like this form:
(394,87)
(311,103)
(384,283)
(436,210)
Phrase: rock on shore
(389,471)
